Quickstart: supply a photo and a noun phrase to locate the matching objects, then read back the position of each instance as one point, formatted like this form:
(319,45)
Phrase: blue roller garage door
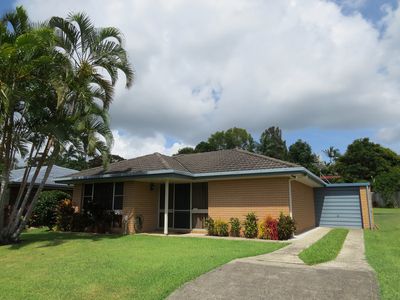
(338,207)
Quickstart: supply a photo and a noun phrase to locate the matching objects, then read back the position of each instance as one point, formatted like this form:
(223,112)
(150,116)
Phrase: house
(179,192)
(17,175)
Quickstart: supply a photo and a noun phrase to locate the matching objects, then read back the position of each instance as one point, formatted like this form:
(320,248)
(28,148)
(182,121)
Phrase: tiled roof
(207,162)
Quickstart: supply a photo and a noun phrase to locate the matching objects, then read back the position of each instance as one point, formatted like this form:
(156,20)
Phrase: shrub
(81,222)
(65,213)
(250,225)
(271,228)
(45,211)
(261,230)
(221,228)
(210,225)
(286,227)
(235,226)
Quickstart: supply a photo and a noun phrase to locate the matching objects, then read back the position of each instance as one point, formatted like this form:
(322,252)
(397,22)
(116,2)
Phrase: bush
(221,228)
(45,211)
(261,230)
(65,213)
(250,225)
(235,226)
(271,228)
(210,225)
(81,222)
(286,227)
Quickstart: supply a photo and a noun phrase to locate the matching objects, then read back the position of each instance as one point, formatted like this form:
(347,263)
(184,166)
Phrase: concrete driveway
(282,275)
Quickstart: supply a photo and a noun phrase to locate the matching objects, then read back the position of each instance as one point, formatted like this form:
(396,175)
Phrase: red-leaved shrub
(271,228)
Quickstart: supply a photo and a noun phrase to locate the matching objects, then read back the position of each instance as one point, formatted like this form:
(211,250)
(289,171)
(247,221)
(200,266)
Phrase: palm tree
(77,99)
(332,153)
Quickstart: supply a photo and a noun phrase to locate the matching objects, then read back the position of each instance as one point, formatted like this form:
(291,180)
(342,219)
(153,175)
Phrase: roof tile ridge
(181,164)
(268,157)
(163,161)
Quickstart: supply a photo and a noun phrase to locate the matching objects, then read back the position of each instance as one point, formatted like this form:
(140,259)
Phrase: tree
(364,160)
(332,153)
(231,139)
(272,144)
(388,184)
(98,160)
(301,153)
(204,147)
(186,150)
(67,105)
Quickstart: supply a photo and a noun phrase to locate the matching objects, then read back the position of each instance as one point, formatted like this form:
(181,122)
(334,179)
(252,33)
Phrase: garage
(343,205)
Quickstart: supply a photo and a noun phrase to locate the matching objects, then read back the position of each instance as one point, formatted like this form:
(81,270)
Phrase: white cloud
(295,64)
(390,135)
(127,145)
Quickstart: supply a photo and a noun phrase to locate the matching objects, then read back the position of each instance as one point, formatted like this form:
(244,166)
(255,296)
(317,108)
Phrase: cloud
(127,145)
(389,135)
(209,65)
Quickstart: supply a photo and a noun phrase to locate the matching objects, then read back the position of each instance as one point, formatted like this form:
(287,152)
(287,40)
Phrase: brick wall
(77,196)
(303,206)
(364,207)
(236,198)
(140,200)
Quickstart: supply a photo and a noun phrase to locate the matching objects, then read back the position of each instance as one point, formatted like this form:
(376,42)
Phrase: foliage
(203,147)
(230,139)
(272,144)
(301,153)
(57,83)
(97,160)
(221,228)
(332,153)
(186,150)
(210,226)
(271,228)
(45,211)
(365,160)
(387,184)
(250,225)
(134,259)
(286,227)
(81,222)
(65,214)
(261,230)
(325,249)
(235,227)
(382,251)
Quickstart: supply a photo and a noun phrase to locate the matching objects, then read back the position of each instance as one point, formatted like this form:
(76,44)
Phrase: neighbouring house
(180,192)
(17,175)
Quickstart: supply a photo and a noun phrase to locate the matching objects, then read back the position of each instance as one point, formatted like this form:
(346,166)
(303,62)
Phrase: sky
(327,72)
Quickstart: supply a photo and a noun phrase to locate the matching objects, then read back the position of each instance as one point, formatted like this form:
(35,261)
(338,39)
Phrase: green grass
(383,251)
(49,265)
(325,249)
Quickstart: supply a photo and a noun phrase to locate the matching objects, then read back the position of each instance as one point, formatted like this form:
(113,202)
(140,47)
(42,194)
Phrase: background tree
(301,153)
(387,184)
(364,160)
(98,160)
(204,147)
(186,150)
(272,144)
(332,153)
(231,139)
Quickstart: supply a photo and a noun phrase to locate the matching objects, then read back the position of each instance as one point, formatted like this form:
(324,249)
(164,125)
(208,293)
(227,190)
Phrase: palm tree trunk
(15,235)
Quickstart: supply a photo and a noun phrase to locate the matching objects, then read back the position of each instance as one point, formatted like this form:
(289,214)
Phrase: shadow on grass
(52,239)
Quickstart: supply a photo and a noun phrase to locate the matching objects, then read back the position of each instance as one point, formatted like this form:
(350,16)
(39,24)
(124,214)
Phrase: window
(109,196)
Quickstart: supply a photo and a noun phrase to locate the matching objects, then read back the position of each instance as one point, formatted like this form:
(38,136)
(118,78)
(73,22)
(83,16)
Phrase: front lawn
(383,251)
(49,265)
(325,249)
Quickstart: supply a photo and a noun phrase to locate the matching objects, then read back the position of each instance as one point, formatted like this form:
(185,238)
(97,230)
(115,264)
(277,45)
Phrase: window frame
(91,197)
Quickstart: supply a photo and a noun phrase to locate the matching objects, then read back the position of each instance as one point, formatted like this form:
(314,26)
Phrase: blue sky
(180,98)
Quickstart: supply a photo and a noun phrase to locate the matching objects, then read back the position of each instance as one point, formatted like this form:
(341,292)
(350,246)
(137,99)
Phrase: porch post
(166,207)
